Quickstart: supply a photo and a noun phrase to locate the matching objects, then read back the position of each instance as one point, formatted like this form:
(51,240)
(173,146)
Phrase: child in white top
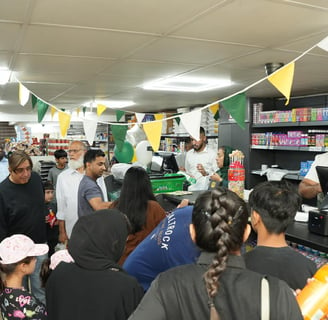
(17,259)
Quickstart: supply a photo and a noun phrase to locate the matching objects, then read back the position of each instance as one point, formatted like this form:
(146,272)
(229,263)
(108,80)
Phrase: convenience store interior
(75,53)
(71,54)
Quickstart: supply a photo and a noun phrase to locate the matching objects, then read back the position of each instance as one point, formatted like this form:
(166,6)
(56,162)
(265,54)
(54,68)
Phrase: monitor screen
(323,179)
(169,163)
(156,163)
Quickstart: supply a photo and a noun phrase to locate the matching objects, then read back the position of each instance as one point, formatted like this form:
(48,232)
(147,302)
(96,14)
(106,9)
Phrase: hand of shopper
(201,169)
(63,238)
(216,177)
(183,203)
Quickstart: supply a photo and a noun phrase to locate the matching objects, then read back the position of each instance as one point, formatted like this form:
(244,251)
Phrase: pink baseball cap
(17,247)
(59,256)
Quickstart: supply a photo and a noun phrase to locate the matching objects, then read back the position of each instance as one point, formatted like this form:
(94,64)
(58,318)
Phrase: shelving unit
(285,156)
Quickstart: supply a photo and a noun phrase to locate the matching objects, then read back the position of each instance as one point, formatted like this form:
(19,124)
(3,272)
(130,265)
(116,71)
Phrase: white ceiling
(68,52)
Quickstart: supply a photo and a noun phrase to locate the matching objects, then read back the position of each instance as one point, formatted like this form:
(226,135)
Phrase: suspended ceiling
(69,52)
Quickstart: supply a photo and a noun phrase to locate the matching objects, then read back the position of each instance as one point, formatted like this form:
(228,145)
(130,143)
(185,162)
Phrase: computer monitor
(156,163)
(322,172)
(169,163)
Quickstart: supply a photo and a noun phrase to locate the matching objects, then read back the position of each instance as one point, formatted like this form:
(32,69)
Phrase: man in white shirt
(310,187)
(67,190)
(200,162)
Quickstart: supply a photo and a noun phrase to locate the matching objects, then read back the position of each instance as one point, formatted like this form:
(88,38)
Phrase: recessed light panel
(115,104)
(187,84)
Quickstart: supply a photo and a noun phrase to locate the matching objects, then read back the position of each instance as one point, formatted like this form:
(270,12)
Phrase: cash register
(318,219)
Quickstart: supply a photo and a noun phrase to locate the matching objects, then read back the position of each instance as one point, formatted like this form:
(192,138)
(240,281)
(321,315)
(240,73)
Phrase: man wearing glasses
(22,209)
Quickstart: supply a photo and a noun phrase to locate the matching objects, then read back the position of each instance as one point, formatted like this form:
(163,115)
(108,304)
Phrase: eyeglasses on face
(21,170)
(74,150)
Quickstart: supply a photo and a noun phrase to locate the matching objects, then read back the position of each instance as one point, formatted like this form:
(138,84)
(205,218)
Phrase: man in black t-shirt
(22,208)
(273,206)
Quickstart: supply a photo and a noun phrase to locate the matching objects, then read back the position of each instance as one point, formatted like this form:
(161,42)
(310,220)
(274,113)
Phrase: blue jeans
(33,281)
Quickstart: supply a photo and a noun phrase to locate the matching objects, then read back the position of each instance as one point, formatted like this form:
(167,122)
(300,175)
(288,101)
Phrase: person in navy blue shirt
(167,246)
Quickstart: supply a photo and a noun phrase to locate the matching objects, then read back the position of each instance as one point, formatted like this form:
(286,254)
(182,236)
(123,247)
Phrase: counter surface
(298,232)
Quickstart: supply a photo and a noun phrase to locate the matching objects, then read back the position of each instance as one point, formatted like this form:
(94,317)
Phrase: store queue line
(193,196)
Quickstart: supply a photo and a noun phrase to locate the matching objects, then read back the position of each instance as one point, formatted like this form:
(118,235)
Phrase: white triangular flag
(139,116)
(90,128)
(324,44)
(24,95)
(191,122)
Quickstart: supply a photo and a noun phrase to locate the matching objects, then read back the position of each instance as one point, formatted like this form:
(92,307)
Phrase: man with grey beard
(66,190)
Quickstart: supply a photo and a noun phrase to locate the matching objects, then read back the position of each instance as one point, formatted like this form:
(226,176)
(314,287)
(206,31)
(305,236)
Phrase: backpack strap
(265,299)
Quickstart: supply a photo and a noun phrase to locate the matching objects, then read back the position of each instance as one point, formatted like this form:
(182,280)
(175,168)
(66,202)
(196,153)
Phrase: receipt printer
(318,222)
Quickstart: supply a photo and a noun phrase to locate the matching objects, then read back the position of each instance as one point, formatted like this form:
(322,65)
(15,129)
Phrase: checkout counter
(297,232)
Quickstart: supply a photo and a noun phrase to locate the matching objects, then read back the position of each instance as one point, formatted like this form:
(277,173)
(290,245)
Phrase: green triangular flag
(42,109)
(177,119)
(119,133)
(84,109)
(34,101)
(236,106)
(62,109)
(217,115)
(119,115)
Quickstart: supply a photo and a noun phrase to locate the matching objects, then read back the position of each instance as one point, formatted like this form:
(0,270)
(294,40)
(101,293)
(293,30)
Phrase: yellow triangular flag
(78,112)
(64,122)
(283,79)
(153,131)
(23,94)
(52,111)
(214,108)
(100,109)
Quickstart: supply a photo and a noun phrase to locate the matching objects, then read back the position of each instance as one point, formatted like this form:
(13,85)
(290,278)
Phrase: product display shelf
(289,143)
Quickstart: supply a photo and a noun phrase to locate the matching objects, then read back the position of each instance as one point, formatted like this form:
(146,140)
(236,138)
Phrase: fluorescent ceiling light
(115,104)
(4,76)
(187,84)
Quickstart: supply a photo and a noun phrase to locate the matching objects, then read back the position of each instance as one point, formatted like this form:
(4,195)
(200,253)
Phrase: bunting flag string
(236,107)
(24,95)
(119,115)
(42,109)
(119,134)
(90,129)
(64,122)
(153,130)
(282,79)
(215,110)
(100,109)
(191,122)
(53,110)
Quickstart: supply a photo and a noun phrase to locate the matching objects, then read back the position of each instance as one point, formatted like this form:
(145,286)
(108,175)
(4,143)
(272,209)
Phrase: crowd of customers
(129,258)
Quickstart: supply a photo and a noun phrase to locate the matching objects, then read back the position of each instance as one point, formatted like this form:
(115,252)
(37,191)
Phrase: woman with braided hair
(218,286)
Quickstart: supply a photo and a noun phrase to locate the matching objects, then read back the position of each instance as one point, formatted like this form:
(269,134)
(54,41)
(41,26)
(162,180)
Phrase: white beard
(76,164)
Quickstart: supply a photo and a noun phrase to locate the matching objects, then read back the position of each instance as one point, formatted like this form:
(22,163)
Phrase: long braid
(219,218)
(221,231)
